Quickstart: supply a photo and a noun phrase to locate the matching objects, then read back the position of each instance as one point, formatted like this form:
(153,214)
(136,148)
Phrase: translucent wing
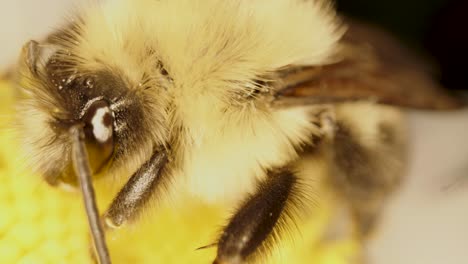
(372,66)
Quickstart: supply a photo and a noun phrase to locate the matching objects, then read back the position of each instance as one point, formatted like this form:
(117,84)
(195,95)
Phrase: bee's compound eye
(99,129)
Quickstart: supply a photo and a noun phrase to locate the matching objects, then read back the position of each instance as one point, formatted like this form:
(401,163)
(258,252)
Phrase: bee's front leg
(255,221)
(137,191)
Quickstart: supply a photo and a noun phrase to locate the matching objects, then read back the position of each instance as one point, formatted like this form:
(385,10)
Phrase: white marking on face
(101,132)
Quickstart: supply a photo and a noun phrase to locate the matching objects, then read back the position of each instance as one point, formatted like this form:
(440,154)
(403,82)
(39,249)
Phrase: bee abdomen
(367,165)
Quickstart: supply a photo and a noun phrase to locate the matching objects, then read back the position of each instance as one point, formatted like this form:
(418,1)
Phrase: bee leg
(255,220)
(137,191)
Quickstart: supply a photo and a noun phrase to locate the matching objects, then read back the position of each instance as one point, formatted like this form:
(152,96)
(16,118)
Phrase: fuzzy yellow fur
(213,51)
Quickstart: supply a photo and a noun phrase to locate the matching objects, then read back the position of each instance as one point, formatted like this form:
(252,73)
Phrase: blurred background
(427,220)
(434,28)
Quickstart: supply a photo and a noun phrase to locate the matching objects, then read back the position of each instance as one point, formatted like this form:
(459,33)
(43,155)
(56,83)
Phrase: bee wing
(372,66)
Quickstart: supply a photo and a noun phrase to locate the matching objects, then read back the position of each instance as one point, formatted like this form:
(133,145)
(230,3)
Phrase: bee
(242,101)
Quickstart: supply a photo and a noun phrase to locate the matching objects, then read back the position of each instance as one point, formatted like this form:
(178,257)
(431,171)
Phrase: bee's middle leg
(255,221)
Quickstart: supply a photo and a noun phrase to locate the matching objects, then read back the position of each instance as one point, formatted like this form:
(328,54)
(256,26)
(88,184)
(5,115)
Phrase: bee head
(56,94)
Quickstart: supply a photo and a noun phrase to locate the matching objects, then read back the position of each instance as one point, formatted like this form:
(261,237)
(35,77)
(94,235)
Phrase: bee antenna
(83,172)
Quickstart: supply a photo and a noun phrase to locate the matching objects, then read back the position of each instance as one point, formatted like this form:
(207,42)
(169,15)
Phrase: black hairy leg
(255,220)
(137,191)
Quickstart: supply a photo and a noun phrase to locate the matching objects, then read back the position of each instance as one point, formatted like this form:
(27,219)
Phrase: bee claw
(207,246)
(108,224)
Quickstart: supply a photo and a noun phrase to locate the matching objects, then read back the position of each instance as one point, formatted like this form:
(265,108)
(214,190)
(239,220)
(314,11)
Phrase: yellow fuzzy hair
(41,224)
(212,50)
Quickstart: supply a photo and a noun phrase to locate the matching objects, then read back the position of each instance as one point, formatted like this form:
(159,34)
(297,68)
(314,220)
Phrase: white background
(424,223)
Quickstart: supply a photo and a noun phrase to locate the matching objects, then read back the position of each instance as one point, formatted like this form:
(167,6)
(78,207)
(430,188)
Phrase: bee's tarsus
(137,191)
